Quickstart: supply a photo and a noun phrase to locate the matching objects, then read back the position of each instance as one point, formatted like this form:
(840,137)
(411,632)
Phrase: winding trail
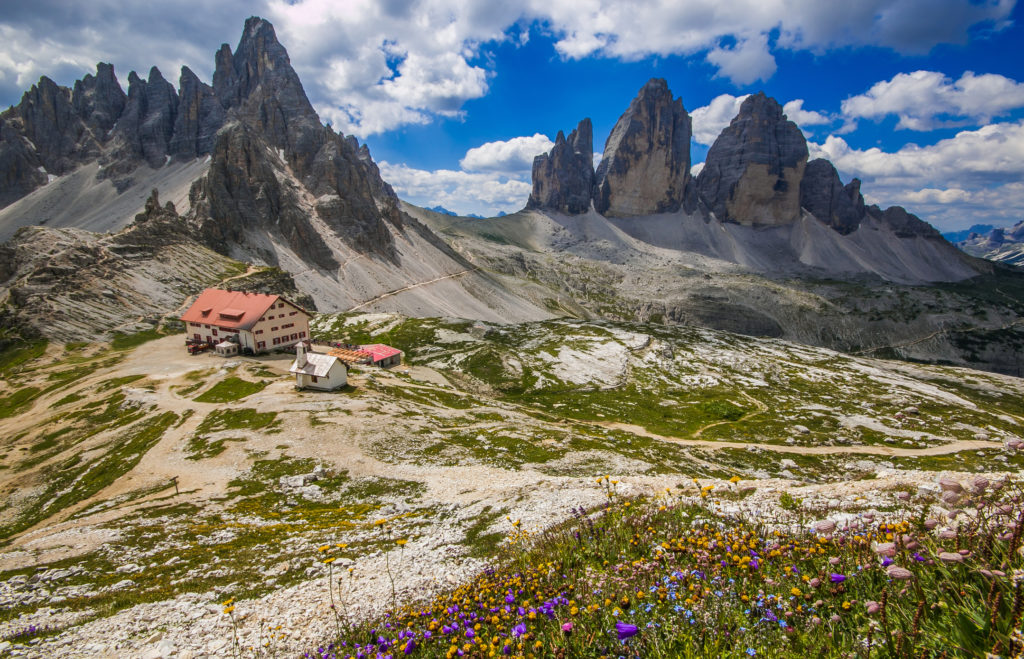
(410,287)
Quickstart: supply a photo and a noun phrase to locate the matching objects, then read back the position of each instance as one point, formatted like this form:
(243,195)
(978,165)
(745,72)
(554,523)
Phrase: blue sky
(922,99)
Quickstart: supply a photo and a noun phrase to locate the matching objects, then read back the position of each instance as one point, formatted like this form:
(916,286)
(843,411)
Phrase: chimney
(300,355)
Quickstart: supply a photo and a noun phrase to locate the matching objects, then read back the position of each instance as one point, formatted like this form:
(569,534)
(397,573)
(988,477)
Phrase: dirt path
(761,407)
(942,449)
(410,287)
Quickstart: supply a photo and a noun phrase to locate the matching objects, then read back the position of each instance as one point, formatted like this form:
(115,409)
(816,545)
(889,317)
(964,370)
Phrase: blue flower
(625,630)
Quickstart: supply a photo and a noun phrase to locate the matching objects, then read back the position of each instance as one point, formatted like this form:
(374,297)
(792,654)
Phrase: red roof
(232,309)
(379,351)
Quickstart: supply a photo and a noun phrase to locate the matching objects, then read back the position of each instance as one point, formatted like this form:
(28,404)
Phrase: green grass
(231,389)
(201,446)
(16,402)
(20,353)
(78,478)
(121,342)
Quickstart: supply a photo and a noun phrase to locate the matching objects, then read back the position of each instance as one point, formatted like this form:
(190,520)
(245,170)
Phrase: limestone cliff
(645,168)
(564,178)
(753,171)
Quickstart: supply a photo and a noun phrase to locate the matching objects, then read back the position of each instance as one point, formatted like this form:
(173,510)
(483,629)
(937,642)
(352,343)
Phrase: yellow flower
(380,522)
(324,548)
(229,609)
(846,606)
(401,543)
(735,479)
(342,545)
(330,560)
(795,592)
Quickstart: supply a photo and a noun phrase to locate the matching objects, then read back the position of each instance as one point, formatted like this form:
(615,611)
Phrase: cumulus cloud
(924,100)
(796,113)
(746,61)
(370,66)
(459,191)
(514,156)
(710,120)
(971,177)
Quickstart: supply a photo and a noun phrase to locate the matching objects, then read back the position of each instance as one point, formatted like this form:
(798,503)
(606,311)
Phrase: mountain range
(760,241)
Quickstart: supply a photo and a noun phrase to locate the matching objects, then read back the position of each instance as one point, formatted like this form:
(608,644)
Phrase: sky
(923,100)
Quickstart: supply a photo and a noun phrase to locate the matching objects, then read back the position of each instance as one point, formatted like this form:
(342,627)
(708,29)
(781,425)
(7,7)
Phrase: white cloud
(514,156)
(971,177)
(462,192)
(695,170)
(371,66)
(748,60)
(796,113)
(710,120)
(924,100)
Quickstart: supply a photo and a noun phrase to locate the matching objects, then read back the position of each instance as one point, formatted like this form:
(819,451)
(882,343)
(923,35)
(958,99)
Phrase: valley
(136,474)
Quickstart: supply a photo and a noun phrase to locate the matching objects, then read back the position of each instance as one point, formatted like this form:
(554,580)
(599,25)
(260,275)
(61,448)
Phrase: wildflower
(872,607)
(324,548)
(518,630)
(899,573)
(567,628)
(751,652)
(625,630)
(950,557)
(229,608)
(409,647)
(735,479)
(837,578)
(329,560)
(795,592)
(380,522)
(402,542)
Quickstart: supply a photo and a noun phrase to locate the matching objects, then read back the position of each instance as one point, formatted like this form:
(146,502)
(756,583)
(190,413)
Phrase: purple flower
(510,598)
(506,649)
(567,627)
(626,630)
(886,561)
(427,634)
(837,578)
(519,630)
(470,633)
(410,646)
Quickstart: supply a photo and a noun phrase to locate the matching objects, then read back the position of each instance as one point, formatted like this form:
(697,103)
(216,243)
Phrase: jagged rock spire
(645,168)
(564,177)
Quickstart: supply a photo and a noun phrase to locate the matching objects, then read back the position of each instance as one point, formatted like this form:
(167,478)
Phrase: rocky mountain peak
(99,99)
(753,171)
(825,197)
(564,177)
(646,164)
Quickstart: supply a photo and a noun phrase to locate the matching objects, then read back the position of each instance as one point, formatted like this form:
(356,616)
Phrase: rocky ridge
(1003,245)
(756,174)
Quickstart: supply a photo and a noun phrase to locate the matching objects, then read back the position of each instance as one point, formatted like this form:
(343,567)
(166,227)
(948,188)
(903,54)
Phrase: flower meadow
(670,576)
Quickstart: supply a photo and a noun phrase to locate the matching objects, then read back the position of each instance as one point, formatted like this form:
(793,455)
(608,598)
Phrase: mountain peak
(646,163)
(753,171)
(563,178)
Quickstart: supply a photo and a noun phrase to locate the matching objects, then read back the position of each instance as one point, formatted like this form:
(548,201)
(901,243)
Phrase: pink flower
(950,557)
(885,549)
(899,573)
(873,607)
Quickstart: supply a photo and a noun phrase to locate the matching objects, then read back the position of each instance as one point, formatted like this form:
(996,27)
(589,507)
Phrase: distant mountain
(1002,245)
(443,211)
(755,175)
(957,236)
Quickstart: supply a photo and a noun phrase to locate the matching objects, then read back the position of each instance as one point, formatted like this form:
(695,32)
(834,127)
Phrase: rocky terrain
(1002,245)
(144,486)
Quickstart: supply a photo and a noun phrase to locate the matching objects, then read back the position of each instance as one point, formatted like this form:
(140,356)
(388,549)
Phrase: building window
(206,326)
(196,336)
(315,379)
(293,313)
(273,329)
(261,344)
(259,331)
(276,340)
(302,335)
(215,331)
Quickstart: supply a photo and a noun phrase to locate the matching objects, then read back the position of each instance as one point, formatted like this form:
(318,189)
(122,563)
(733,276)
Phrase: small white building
(226,348)
(317,371)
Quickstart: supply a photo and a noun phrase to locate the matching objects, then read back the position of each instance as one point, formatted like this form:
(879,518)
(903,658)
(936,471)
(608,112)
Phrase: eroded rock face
(99,100)
(563,179)
(199,116)
(904,224)
(646,164)
(753,171)
(825,197)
